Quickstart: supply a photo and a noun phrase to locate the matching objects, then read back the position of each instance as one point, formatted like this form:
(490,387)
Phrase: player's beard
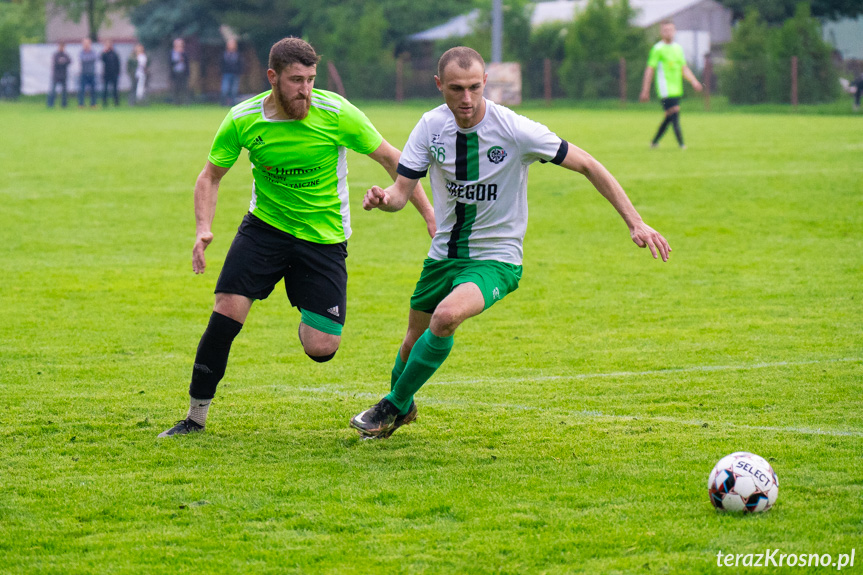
(296,108)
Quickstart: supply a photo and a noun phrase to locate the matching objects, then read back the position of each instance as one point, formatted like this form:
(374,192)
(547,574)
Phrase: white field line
(692,369)
(583,413)
(595,414)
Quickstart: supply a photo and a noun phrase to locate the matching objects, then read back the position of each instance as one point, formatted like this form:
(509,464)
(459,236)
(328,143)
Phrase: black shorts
(316,278)
(668,103)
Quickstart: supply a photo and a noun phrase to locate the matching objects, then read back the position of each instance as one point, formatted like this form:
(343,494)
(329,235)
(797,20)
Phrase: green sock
(398,368)
(428,354)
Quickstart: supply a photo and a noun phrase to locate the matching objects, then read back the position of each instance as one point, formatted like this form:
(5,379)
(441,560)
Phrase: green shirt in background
(299,166)
(669,61)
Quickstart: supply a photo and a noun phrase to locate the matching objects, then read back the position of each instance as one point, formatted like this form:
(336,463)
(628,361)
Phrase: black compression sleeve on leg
(675,118)
(662,128)
(322,358)
(212,357)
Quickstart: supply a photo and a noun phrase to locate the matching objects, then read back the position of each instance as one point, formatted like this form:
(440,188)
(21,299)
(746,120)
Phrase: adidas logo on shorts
(334,310)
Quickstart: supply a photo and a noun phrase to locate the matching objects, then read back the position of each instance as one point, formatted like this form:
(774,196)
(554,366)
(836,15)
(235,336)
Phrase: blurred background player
(667,63)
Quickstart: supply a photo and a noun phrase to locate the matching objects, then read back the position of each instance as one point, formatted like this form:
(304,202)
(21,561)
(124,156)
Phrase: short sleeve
(226,145)
(414,161)
(537,142)
(356,131)
(653,58)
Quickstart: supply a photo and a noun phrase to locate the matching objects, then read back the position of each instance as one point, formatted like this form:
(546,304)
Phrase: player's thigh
(494,280)
(435,284)
(317,343)
(464,301)
(316,282)
(255,262)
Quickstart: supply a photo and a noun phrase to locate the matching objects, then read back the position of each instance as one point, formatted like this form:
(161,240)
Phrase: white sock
(198,409)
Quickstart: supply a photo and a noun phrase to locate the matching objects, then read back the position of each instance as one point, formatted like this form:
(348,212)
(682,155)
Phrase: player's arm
(645,84)
(690,77)
(206,193)
(643,235)
(392,198)
(388,157)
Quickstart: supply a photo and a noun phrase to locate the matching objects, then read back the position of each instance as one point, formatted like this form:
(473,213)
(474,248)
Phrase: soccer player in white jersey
(298,222)
(477,155)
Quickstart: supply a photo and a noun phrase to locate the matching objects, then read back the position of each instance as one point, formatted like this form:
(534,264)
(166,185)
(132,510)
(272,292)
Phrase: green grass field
(571,430)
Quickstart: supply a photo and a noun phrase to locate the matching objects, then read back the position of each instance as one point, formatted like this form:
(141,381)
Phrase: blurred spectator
(179,72)
(137,68)
(88,72)
(8,86)
(59,68)
(110,73)
(232,69)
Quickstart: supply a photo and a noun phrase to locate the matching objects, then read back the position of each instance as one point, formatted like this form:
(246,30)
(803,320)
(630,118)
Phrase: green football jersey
(299,166)
(669,61)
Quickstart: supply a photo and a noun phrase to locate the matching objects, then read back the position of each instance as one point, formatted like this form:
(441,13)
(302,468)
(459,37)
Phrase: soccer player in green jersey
(477,155)
(298,222)
(667,63)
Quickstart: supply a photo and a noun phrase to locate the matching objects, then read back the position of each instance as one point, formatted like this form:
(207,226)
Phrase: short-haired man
(667,63)
(59,67)
(88,58)
(110,73)
(298,224)
(477,155)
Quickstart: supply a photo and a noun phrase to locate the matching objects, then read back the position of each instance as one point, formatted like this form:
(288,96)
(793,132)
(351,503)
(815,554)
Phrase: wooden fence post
(708,80)
(794,82)
(622,72)
(334,81)
(400,83)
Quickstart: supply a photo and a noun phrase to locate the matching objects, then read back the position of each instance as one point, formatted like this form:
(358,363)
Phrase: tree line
(366,38)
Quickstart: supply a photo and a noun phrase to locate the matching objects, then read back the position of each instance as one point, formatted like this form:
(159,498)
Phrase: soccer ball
(743,482)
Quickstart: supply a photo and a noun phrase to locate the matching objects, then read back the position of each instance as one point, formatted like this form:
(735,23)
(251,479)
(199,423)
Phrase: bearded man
(298,222)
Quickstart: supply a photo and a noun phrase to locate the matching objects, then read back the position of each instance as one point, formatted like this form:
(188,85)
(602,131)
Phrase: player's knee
(445,320)
(321,351)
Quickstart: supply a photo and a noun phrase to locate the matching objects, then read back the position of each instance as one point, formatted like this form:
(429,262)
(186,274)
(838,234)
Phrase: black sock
(675,119)
(212,357)
(662,128)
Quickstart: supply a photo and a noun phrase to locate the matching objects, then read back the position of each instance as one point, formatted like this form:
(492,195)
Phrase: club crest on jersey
(496,154)
(436,139)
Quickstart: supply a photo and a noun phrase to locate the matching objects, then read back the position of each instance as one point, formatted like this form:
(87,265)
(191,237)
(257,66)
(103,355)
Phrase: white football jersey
(479,179)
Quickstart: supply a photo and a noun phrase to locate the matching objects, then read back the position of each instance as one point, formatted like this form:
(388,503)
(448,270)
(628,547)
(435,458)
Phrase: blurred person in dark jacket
(59,73)
(179,72)
(232,69)
(110,73)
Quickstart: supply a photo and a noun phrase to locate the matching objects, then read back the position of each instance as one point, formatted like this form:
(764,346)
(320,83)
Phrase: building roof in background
(648,13)
(846,36)
(458,27)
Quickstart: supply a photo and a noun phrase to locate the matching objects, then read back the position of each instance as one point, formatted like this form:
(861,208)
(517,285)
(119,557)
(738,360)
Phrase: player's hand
(698,86)
(199,263)
(646,237)
(375,197)
(644,96)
